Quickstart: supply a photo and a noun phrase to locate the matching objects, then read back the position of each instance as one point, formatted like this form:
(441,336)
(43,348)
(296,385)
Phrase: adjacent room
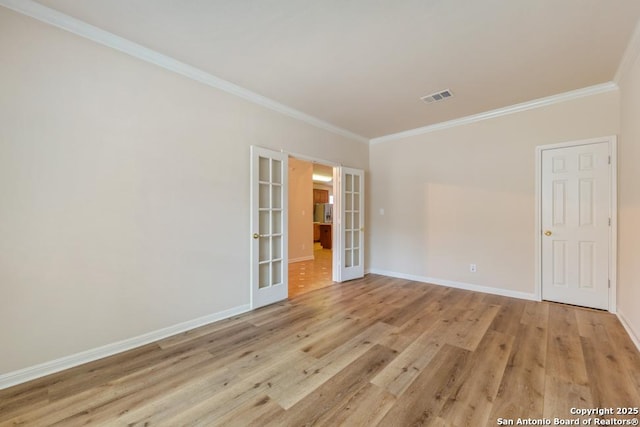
(359,213)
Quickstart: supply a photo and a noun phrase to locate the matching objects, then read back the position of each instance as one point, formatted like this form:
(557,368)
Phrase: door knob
(548,233)
(256,236)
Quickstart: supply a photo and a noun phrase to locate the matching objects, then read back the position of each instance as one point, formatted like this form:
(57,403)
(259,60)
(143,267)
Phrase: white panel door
(268,227)
(351,228)
(576,194)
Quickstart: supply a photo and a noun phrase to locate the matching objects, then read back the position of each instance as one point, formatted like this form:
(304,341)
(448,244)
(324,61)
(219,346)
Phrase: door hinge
(609,159)
(609,282)
(609,222)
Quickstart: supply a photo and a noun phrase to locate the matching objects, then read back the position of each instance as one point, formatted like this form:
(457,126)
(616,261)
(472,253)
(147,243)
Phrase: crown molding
(516,108)
(630,54)
(65,22)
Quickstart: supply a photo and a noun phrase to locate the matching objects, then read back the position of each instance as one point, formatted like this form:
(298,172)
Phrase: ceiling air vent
(438,96)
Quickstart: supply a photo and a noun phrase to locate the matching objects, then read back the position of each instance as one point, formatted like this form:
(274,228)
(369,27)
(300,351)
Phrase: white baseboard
(300,259)
(632,334)
(458,285)
(53,366)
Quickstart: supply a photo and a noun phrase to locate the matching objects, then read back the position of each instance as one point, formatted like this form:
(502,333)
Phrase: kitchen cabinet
(325,236)
(320,196)
(316,232)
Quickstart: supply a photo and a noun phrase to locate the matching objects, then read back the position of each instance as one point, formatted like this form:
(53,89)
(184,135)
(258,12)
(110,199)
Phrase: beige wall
(467,194)
(629,200)
(124,193)
(300,210)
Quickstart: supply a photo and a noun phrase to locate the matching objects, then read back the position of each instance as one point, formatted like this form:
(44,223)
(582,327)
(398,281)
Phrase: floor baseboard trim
(458,285)
(57,365)
(632,334)
(300,259)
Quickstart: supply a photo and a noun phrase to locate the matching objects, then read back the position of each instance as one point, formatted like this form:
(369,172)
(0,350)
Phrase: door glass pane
(356,257)
(276,171)
(264,254)
(356,202)
(264,196)
(348,183)
(276,245)
(348,241)
(348,202)
(356,221)
(276,272)
(347,258)
(356,183)
(264,223)
(356,239)
(263,172)
(277,222)
(348,221)
(264,279)
(277,197)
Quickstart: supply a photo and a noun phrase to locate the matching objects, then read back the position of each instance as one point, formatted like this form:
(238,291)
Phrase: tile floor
(306,276)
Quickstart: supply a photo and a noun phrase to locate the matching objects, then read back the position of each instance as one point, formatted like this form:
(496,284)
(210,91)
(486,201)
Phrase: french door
(350,231)
(576,186)
(269,281)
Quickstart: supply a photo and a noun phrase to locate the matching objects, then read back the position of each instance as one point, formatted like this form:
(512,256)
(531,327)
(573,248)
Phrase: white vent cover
(438,96)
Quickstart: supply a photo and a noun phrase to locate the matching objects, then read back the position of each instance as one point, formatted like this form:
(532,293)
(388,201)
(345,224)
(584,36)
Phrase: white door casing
(350,231)
(576,195)
(269,278)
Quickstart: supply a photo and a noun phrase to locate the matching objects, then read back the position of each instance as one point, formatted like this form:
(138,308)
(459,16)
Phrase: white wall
(629,200)
(300,210)
(124,193)
(466,194)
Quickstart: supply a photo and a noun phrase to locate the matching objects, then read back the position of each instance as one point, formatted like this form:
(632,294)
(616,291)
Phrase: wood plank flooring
(375,351)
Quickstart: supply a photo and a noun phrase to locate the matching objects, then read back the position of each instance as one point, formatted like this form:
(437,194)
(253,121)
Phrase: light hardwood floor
(375,351)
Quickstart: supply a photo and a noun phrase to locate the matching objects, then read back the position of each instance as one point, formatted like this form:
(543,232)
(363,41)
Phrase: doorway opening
(311,226)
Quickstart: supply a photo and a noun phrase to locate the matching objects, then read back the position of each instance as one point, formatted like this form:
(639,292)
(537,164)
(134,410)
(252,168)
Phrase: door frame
(337,215)
(613,213)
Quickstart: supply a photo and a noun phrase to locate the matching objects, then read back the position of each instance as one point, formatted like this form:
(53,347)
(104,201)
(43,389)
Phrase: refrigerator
(323,212)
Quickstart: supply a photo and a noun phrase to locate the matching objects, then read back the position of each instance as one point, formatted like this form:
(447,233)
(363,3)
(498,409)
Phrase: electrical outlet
(473,268)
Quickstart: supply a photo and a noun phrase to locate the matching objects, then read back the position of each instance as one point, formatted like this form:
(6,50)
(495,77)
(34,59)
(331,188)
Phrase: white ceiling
(363,64)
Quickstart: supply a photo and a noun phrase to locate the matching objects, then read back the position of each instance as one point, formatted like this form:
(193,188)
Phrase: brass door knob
(256,236)
(548,233)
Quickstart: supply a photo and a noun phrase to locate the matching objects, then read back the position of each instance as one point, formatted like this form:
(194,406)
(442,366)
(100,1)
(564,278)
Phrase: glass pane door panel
(276,227)
(276,197)
(276,172)
(264,196)
(264,245)
(277,247)
(264,279)
(264,170)
(276,271)
(264,223)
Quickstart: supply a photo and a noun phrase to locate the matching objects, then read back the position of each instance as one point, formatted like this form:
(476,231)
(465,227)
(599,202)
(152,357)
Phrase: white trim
(630,54)
(57,365)
(613,213)
(302,258)
(516,108)
(632,334)
(82,29)
(457,285)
